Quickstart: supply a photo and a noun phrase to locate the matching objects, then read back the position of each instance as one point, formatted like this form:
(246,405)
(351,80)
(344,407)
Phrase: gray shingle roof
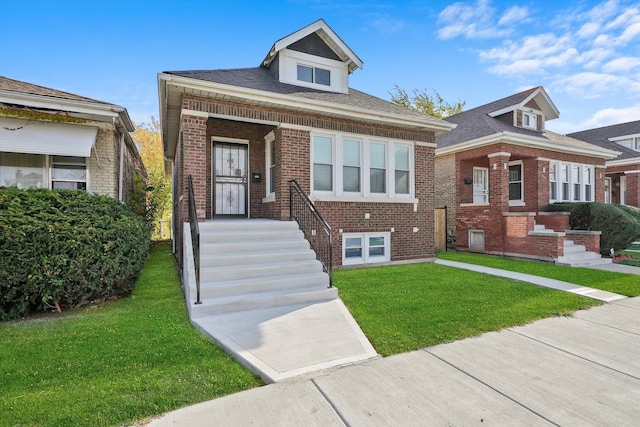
(29,88)
(261,79)
(599,136)
(476,122)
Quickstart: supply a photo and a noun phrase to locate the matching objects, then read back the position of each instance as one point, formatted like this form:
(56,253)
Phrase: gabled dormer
(313,57)
(527,110)
(629,141)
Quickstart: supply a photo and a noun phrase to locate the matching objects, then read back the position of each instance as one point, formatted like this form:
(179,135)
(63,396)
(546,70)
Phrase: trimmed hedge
(620,225)
(63,248)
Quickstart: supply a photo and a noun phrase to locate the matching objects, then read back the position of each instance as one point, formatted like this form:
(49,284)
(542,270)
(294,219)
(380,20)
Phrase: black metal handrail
(195,237)
(316,230)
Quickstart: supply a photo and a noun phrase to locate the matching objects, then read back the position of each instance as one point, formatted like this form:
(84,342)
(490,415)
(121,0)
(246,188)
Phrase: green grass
(635,253)
(116,362)
(624,284)
(404,308)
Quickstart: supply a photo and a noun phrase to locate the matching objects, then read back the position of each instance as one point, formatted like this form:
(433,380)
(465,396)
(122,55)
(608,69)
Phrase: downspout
(121,179)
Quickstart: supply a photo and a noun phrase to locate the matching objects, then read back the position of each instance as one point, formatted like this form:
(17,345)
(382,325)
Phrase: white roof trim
(436,125)
(623,162)
(72,105)
(531,141)
(309,29)
(37,137)
(623,137)
(540,91)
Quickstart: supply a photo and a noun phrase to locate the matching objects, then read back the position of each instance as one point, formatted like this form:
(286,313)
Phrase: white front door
(480,185)
(607,190)
(623,190)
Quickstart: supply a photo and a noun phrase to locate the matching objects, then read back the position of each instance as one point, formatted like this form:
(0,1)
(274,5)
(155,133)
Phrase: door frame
(485,172)
(232,141)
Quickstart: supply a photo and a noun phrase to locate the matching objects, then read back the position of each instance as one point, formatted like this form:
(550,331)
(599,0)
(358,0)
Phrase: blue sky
(585,53)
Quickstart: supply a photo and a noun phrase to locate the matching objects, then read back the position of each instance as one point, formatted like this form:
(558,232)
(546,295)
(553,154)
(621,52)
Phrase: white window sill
(270,198)
(468,205)
(516,203)
(352,199)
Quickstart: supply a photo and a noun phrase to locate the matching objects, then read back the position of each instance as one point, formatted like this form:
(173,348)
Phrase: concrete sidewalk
(580,370)
(543,281)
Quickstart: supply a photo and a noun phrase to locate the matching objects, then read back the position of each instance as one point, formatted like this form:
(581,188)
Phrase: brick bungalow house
(243,134)
(58,140)
(622,178)
(499,169)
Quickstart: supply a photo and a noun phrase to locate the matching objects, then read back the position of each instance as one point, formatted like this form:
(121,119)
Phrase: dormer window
(629,141)
(529,120)
(315,75)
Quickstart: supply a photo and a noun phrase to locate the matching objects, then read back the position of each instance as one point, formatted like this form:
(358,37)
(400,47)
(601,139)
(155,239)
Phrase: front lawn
(623,284)
(114,363)
(407,307)
(634,251)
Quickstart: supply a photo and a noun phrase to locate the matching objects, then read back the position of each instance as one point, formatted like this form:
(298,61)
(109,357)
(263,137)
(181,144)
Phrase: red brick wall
(556,221)
(292,147)
(590,239)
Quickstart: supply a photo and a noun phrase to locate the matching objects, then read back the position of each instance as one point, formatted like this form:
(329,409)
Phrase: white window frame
(334,168)
(366,258)
(365,168)
(588,185)
(269,142)
(554,183)
(607,190)
(53,163)
(529,117)
(314,69)
(586,189)
(623,190)
(520,201)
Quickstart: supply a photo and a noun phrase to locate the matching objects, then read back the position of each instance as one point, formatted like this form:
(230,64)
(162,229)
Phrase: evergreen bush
(64,248)
(619,224)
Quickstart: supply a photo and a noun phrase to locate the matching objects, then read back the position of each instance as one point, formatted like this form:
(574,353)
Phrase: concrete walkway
(582,370)
(543,281)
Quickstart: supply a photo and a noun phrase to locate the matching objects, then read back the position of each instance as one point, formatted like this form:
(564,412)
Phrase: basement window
(365,248)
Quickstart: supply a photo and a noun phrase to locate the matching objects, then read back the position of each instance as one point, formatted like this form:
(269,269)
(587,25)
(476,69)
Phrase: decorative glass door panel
(480,185)
(230,179)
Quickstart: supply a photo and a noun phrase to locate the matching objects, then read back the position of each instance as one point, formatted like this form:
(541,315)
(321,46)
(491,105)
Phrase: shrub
(620,225)
(64,248)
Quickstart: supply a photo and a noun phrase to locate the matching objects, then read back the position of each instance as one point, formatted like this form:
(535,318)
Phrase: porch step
(578,256)
(256,264)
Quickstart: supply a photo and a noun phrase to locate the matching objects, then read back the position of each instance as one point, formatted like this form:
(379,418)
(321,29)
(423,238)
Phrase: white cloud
(472,21)
(611,116)
(624,64)
(588,30)
(589,85)
(514,14)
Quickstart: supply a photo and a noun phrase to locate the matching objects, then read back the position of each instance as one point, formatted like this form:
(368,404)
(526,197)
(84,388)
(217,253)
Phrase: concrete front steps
(267,301)
(575,255)
(579,256)
(253,264)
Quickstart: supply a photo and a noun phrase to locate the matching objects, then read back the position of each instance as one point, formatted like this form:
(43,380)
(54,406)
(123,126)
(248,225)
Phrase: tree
(147,137)
(432,105)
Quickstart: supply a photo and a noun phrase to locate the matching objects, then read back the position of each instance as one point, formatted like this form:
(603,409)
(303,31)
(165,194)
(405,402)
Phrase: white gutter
(121,179)
(436,125)
(85,107)
(528,141)
(623,162)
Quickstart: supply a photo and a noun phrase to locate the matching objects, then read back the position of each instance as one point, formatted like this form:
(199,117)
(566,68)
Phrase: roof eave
(83,107)
(528,141)
(436,125)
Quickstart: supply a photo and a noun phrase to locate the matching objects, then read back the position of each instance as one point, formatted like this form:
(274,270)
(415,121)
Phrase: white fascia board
(624,162)
(530,141)
(287,101)
(83,107)
(623,137)
(312,28)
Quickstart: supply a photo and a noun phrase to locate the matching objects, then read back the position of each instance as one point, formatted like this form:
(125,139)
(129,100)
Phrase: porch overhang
(635,161)
(512,138)
(172,88)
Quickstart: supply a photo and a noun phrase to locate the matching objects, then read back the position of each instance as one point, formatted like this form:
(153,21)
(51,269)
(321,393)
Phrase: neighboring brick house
(622,182)
(499,169)
(58,140)
(366,163)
